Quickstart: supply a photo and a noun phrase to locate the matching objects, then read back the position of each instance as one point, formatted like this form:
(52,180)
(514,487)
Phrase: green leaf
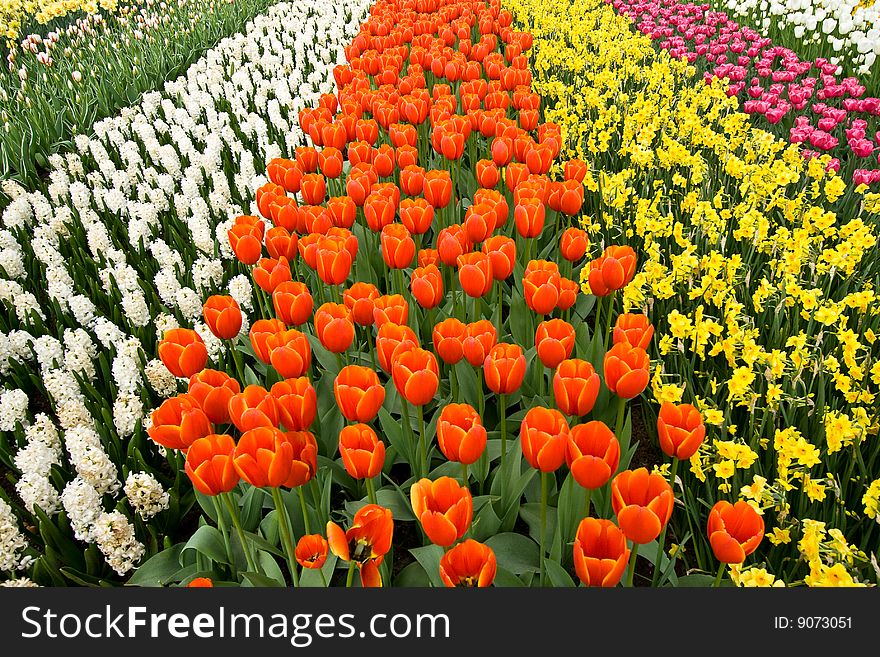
(401,510)
(558,576)
(699,580)
(159,569)
(270,567)
(207,541)
(395,434)
(429,558)
(413,575)
(506,579)
(515,552)
(531,515)
(311,577)
(258,580)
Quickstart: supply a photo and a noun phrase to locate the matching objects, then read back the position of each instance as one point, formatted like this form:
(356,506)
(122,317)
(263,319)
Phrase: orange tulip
(281,242)
(438,188)
(444,508)
(398,247)
(600,552)
(200,583)
(412,182)
(572,197)
(261,331)
(293,303)
(289,353)
(627,370)
(308,249)
(358,392)
(311,551)
(544,435)
(223,316)
(613,270)
(680,429)
(575,387)
(428,257)
(502,254)
(634,329)
(360,300)
(529,216)
(479,338)
(183,352)
(461,434)
(554,341)
(417,215)
(448,337)
(573,244)
(568,291)
(264,457)
(468,564)
(542,289)
(390,308)
(488,174)
(363,454)
(379,211)
(305,458)
(296,401)
(735,531)
(479,221)
(593,454)
(252,408)
(246,242)
(502,151)
(342,210)
(270,273)
(453,242)
(504,368)
(366,542)
(426,286)
(330,161)
(475,274)
(643,503)
(334,327)
(416,375)
(334,260)
(313,188)
(575,170)
(392,338)
(209,464)
(212,389)
(179,422)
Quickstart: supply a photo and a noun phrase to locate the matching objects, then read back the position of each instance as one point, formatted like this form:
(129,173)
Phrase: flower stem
(720,575)
(233,513)
(632,564)
(502,401)
(224,529)
(608,315)
(350,578)
(371,490)
(464,474)
(543,521)
(305,512)
(423,445)
(587,501)
(655,580)
(621,408)
(284,529)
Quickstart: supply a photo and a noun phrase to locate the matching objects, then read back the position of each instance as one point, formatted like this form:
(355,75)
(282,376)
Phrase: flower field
(440,293)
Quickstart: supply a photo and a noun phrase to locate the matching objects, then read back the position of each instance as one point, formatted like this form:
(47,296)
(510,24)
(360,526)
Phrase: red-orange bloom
(398,247)
(334,327)
(572,197)
(223,316)
(444,508)
(270,273)
(358,392)
(390,308)
(680,429)
(504,368)
(343,211)
(479,221)
(391,338)
(643,504)
(311,551)
(305,458)
(529,216)
(502,254)
(379,211)
(246,242)
(468,564)
(200,583)
(612,270)
(254,407)
(460,433)
(479,338)
(568,291)
(363,454)
(575,170)
(416,214)
(735,531)
(212,389)
(544,435)
(289,353)
(366,542)
(573,244)
(575,387)
(627,370)
(416,375)
(360,300)
(281,242)
(600,552)
(635,329)
(542,288)
(264,457)
(438,188)
(179,422)
(412,182)
(453,242)
(183,352)
(475,273)
(261,331)
(334,260)
(593,454)
(293,303)
(313,188)
(448,337)
(209,464)
(554,341)
(330,161)
(428,257)
(296,401)
(426,286)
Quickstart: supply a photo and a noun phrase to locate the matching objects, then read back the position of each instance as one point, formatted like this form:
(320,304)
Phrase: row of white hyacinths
(188,158)
(849,30)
